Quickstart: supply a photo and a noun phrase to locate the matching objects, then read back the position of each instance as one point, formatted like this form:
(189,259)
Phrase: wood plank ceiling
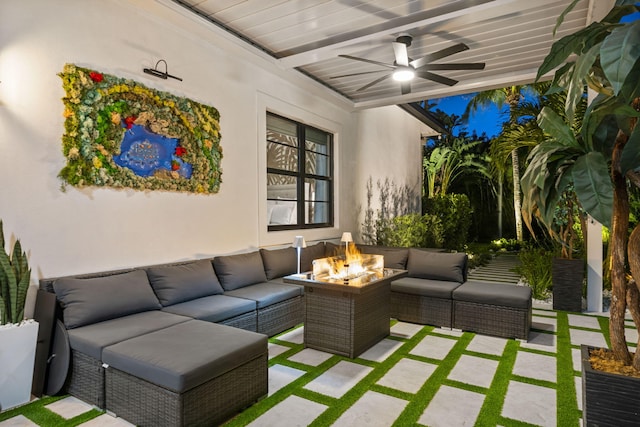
(511,37)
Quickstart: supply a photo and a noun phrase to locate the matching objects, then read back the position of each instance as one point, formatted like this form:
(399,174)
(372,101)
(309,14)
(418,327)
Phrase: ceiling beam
(326,49)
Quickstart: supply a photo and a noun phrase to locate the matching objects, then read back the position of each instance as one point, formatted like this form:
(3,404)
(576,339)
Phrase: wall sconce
(299,243)
(161,74)
(346,238)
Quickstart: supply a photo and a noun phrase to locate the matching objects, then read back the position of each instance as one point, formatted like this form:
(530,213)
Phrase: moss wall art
(119,133)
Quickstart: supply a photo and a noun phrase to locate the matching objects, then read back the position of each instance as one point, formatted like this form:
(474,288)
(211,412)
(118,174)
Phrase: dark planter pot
(567,276)
(608,399)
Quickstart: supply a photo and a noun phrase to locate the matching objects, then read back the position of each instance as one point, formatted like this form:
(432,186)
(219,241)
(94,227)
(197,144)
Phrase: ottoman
(493,309)
(195,373)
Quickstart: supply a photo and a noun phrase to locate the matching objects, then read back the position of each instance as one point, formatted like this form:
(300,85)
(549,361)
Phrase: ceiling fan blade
(405,87)
(460,47)
(436,78)
(370,61)
(400,51)
(454,66)
(357,74)
(375,82)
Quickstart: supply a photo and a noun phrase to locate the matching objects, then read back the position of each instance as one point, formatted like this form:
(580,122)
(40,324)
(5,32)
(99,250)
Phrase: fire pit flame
(352,265)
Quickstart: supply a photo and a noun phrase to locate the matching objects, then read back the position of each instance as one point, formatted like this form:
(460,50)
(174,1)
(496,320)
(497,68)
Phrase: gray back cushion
(279,262)
(393,257)
(437,266)
(309,254)
(92,300)
(178,283)
(237,271)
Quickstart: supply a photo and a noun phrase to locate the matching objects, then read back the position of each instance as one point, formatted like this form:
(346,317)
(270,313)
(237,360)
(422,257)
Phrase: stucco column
(594,265)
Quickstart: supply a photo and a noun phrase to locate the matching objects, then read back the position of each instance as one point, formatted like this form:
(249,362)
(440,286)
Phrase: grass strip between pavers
(567,406)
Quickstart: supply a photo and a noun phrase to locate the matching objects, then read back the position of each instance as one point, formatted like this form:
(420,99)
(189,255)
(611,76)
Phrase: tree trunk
(618,242)
(500,190)
(517,205)
(633,253)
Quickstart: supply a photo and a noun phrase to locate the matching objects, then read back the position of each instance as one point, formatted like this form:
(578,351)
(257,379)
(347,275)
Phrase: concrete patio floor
(420,375)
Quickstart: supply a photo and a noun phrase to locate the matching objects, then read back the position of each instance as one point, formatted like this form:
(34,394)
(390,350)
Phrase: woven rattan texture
(145,404)
(421,309)
(345,323)
(86,379)
(506,322)
(281,316)
(248,321)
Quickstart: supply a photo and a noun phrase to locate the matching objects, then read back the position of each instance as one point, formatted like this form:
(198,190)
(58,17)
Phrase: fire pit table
(346,315)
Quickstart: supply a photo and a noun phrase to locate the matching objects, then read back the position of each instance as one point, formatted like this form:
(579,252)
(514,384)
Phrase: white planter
(17,355)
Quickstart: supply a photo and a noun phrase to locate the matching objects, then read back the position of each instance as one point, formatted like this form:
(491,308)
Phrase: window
(299,175)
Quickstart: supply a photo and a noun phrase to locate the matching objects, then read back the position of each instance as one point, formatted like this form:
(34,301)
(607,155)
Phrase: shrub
(535,268)
(505,245)
(412,230)
(454,211)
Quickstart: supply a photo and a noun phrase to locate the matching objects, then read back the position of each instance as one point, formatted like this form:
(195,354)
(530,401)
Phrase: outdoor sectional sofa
(186,343)
(436,292)
(178,344)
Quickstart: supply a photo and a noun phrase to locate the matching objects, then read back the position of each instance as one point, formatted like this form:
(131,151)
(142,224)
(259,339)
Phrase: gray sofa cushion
(95,299)
(494,294)
(268,293)
(236,271)
(424,287)
(393,257)
(186,355)
(331,249)
(279,262)
(215,308)
(183,282)
(309,254)
(92,339)
(437,266)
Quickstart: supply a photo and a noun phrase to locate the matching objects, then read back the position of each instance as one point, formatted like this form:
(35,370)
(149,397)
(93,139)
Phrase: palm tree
(510,96)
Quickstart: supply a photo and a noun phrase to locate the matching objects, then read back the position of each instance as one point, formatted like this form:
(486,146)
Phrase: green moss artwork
(119,133)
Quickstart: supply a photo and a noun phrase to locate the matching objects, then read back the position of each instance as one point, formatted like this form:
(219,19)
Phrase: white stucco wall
(389,148)
(96,229)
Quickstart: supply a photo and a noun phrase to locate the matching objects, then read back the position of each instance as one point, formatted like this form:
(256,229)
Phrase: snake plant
(14,282)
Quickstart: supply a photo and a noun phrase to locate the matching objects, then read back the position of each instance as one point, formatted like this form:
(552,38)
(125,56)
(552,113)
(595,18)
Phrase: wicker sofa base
(86,379)
(248,321)
(500,321)
(421,309)
(281,316)
(145,404)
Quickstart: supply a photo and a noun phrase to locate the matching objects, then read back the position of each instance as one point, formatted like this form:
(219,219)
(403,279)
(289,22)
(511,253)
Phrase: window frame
(302,176)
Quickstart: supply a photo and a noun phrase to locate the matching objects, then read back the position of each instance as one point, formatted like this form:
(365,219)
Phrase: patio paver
(530,403)
(311,357)
(544,323)
(541,341)
(69,407)
(280,376)
(381,351)
(405,330)
(339,379)
(592,338)
(487,345)
(296,336)
(474,370)
(296,410)
(407,375)
(583,321)
(433,347)
(372,409)
(446,410)
(276,349)
(19,421)
(537,366)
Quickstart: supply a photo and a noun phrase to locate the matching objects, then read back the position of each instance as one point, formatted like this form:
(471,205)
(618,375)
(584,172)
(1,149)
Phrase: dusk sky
(484,120)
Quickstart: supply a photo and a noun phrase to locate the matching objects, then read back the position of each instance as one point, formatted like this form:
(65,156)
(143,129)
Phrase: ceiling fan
(406,69)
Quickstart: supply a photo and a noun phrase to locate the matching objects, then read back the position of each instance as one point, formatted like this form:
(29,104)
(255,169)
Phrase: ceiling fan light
(404,74)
